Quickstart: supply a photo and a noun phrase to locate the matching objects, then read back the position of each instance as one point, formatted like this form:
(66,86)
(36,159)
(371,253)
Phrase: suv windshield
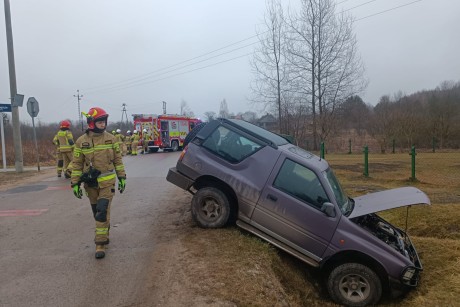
(343,201)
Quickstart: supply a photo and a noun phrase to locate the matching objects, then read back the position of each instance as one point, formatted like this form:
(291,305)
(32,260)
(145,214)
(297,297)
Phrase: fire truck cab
(166,132)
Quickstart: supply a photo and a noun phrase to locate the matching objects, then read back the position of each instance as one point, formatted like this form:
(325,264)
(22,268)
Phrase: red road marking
(58,188)
(25,212)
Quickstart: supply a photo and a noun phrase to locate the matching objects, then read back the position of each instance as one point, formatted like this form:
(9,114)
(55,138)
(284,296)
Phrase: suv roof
(272,139)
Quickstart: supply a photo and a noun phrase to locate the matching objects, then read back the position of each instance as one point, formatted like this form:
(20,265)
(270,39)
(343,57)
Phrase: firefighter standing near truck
(145,141)
(97,163)
(64,139)
(121,141)
(128,142)
(134,142)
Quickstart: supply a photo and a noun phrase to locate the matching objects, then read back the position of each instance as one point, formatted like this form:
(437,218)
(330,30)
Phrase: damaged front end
(398,240)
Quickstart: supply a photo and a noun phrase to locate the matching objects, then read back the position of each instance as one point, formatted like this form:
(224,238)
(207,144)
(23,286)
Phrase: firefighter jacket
(102,152)
(135,138)
(64,140)
(128,140)
(120,138)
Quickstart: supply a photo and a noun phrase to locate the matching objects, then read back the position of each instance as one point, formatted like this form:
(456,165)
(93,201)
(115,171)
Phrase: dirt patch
(11,179)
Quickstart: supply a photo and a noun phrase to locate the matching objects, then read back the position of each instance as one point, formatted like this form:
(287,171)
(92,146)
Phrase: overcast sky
(139,52)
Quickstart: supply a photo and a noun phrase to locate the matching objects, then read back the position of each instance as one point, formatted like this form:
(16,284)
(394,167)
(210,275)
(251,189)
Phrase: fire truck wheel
(189,137)
(175,146)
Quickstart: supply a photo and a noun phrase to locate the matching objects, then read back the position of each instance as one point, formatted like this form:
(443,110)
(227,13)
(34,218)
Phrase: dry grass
(242,269)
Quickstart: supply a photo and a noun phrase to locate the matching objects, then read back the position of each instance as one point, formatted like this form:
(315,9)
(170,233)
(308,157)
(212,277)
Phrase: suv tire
(193,133)
(210,208)
(354,284)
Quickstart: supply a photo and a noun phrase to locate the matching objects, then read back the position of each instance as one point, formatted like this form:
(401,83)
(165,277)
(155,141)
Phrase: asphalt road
(46,240)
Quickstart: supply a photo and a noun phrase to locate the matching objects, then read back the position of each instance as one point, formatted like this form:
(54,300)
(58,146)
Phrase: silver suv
(289,197)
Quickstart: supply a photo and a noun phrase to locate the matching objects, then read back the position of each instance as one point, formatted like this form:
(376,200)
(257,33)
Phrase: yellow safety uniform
(65,140)
(99,151)
(59,161)
(128,143)
(121,141)
(134,143)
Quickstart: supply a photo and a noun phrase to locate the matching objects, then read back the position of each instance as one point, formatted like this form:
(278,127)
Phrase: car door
(289,208)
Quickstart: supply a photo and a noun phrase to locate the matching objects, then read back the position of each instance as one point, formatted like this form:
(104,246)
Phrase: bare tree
(323,52)
(268,62)
(223,110)
(185,109)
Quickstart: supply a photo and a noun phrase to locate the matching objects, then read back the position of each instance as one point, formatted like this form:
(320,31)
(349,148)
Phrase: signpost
(4,107)
(32,109)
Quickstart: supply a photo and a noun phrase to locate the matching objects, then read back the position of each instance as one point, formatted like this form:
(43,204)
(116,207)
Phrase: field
(245,271)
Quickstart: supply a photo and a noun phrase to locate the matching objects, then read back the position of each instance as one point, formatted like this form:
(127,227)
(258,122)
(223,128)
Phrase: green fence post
(349,146)
(366,161)
(434,144)
(394,143)
(322,150)
(413,154)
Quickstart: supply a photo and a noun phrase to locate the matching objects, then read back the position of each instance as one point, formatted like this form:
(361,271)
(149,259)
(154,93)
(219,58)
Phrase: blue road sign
(5,107)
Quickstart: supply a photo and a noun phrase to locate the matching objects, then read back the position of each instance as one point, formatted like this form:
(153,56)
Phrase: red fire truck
(165,131)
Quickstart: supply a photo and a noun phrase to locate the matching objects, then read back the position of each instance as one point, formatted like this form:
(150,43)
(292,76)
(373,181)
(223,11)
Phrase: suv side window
(230,145)
(300,182)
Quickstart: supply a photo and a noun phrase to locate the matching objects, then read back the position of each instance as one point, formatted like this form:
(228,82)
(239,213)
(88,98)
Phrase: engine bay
(386,232)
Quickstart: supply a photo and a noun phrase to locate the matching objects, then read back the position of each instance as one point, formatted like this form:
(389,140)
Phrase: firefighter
(134,143)
(64,138)
(121,141)
(145,141)
(97,163)
(60,162)
(128,141)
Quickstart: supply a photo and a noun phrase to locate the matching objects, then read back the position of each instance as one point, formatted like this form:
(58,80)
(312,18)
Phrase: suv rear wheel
(210,208)
(354,284)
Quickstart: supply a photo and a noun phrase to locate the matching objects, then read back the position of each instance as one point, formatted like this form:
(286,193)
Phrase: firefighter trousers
(67,157)
(60,162)
(100,200)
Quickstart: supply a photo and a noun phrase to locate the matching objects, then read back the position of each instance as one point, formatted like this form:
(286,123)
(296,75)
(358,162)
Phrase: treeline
(425,119)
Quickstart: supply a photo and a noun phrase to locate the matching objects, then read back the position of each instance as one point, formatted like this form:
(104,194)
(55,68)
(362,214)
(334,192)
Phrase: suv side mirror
(328,209)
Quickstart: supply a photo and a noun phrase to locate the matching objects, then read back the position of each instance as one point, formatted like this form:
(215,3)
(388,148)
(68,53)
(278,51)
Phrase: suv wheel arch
(210,181)
(356,257)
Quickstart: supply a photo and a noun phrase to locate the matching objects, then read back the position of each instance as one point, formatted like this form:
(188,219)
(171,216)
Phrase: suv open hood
(389,199)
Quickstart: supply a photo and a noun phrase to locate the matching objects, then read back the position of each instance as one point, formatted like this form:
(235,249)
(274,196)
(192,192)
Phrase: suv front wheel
(354,284)
(210,208)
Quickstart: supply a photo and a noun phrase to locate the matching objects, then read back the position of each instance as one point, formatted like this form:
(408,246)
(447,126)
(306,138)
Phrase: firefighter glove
(77,191)
(121,184)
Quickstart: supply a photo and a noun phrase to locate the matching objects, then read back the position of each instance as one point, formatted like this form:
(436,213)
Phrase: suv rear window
(272,137)
(230,145)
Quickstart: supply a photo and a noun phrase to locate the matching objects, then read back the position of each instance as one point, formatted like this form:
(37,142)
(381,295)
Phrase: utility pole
(164,107)
(124,113)
(79,113)
(13,91)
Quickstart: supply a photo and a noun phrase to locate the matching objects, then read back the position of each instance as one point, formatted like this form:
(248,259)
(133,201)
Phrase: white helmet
(135,131)
(129,131)
(118,130)
(145,130)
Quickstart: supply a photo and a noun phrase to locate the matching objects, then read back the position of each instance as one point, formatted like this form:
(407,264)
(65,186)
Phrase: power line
(394,8)
(183,73)
(170,71)
(128,83)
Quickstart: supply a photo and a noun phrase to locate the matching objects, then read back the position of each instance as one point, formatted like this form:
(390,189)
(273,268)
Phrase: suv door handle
(271,197)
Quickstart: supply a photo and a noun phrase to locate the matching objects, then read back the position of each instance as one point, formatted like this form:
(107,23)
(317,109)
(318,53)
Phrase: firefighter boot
(100,251)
